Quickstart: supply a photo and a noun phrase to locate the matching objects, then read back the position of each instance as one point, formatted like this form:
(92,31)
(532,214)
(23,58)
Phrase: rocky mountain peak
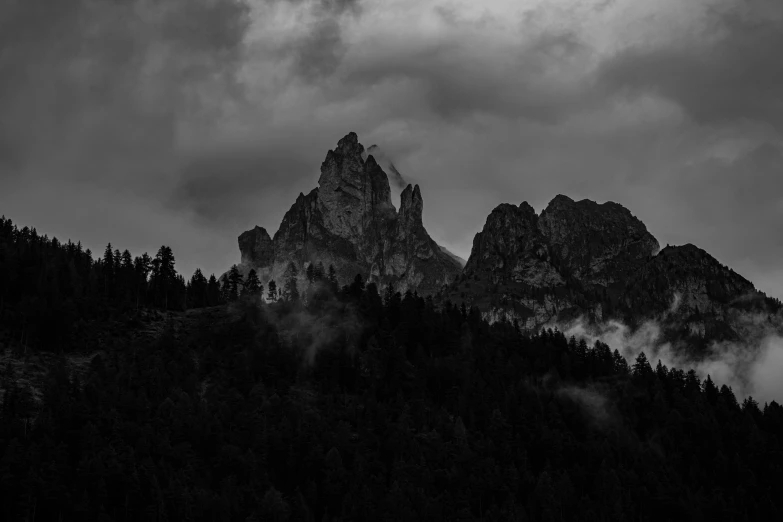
(353,194)
(383,159)
(255,246)
(349,145)
(411,206)
(536,268)
(560,201)
(598,244)
(350,221)
(511,248)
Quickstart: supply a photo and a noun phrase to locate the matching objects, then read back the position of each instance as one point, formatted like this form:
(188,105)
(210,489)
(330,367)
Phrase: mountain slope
(596,262)
(349,221)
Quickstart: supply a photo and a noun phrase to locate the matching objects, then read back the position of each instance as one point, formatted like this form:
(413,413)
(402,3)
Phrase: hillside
(348,406)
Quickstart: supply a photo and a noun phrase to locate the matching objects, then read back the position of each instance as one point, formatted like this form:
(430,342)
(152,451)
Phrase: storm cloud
(187,122)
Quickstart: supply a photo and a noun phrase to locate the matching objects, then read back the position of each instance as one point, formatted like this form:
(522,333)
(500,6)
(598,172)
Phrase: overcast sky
(186,122)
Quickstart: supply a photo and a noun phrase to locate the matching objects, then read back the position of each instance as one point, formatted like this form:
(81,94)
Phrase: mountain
(598,261)
(349,221)
(576,259)
(537,269)
(693,293)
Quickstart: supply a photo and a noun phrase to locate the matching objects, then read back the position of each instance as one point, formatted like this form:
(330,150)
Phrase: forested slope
(406,413)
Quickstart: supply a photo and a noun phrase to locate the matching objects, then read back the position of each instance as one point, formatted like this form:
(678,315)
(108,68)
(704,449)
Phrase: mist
(750,368)
(312,331)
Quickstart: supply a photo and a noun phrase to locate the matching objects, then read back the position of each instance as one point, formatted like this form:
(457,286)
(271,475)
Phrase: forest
(326,402)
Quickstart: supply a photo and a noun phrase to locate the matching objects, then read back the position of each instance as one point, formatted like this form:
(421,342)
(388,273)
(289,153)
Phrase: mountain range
(576,259)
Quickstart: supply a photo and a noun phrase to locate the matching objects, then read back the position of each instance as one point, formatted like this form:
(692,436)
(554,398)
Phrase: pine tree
(225,289)
(710,390)
(197,290)
(235,281)
(272,296)
(142,266)
(332,279)
(641,367)
(252,284)
(108,271)
(165,275)
(291,288)
(213,291)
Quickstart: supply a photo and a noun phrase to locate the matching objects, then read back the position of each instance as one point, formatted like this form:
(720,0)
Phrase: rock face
(598,261)
(349,221)
(687,289)
(576,259)
(512,248)
(537,269)
(256,247)
(598,245)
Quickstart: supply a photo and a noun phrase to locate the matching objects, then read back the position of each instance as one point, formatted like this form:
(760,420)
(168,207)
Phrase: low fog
(750,368)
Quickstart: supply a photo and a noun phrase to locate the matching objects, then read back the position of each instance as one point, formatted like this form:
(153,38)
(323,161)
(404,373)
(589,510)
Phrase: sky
(186,122)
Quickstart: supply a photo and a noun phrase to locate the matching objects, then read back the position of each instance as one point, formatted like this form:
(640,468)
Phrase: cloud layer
(751,368)
(186,122)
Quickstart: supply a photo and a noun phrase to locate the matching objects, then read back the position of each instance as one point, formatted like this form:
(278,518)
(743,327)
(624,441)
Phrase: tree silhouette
(235,281)
(252,284)
(272,295)
(291,290)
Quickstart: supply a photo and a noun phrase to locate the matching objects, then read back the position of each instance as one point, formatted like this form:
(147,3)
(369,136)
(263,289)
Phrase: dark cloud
(458,80)
(225,186)
(737,205)
(320,48)
(97,97)
(727,72)
(188,121)
(100,82)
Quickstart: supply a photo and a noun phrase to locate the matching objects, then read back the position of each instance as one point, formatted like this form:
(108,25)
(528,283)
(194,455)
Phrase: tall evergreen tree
(213,291)
(108,271)
(142,266)
(332,279)
(165,275)
(235,281)
(225,289)
(272,295)
(252,284)
(291,291)
(197,290)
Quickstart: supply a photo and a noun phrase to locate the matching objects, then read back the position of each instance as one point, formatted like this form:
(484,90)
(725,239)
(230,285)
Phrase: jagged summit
(573,259)
(411,206)
(597,260)
(349,221)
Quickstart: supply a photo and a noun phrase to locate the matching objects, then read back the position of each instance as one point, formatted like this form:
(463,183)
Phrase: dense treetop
(359,403)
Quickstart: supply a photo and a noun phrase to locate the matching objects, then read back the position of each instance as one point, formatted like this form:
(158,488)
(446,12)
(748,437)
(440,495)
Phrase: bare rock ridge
(574,259)
(596,261)
(349,221)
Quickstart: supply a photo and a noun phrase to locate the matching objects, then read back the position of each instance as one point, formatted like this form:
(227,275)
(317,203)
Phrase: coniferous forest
(321,402)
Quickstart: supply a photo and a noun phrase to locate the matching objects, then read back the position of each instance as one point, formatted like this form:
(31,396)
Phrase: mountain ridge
(349,221)
(574,259)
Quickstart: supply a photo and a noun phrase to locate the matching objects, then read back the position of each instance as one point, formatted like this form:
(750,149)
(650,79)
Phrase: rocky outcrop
(256,247)
(349,221)
(598,261)
(511,248)
(684,280)
(597,244)
(687,290)
(561,264)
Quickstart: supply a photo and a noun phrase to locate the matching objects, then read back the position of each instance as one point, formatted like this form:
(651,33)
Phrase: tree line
(424,413)
(50,289)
